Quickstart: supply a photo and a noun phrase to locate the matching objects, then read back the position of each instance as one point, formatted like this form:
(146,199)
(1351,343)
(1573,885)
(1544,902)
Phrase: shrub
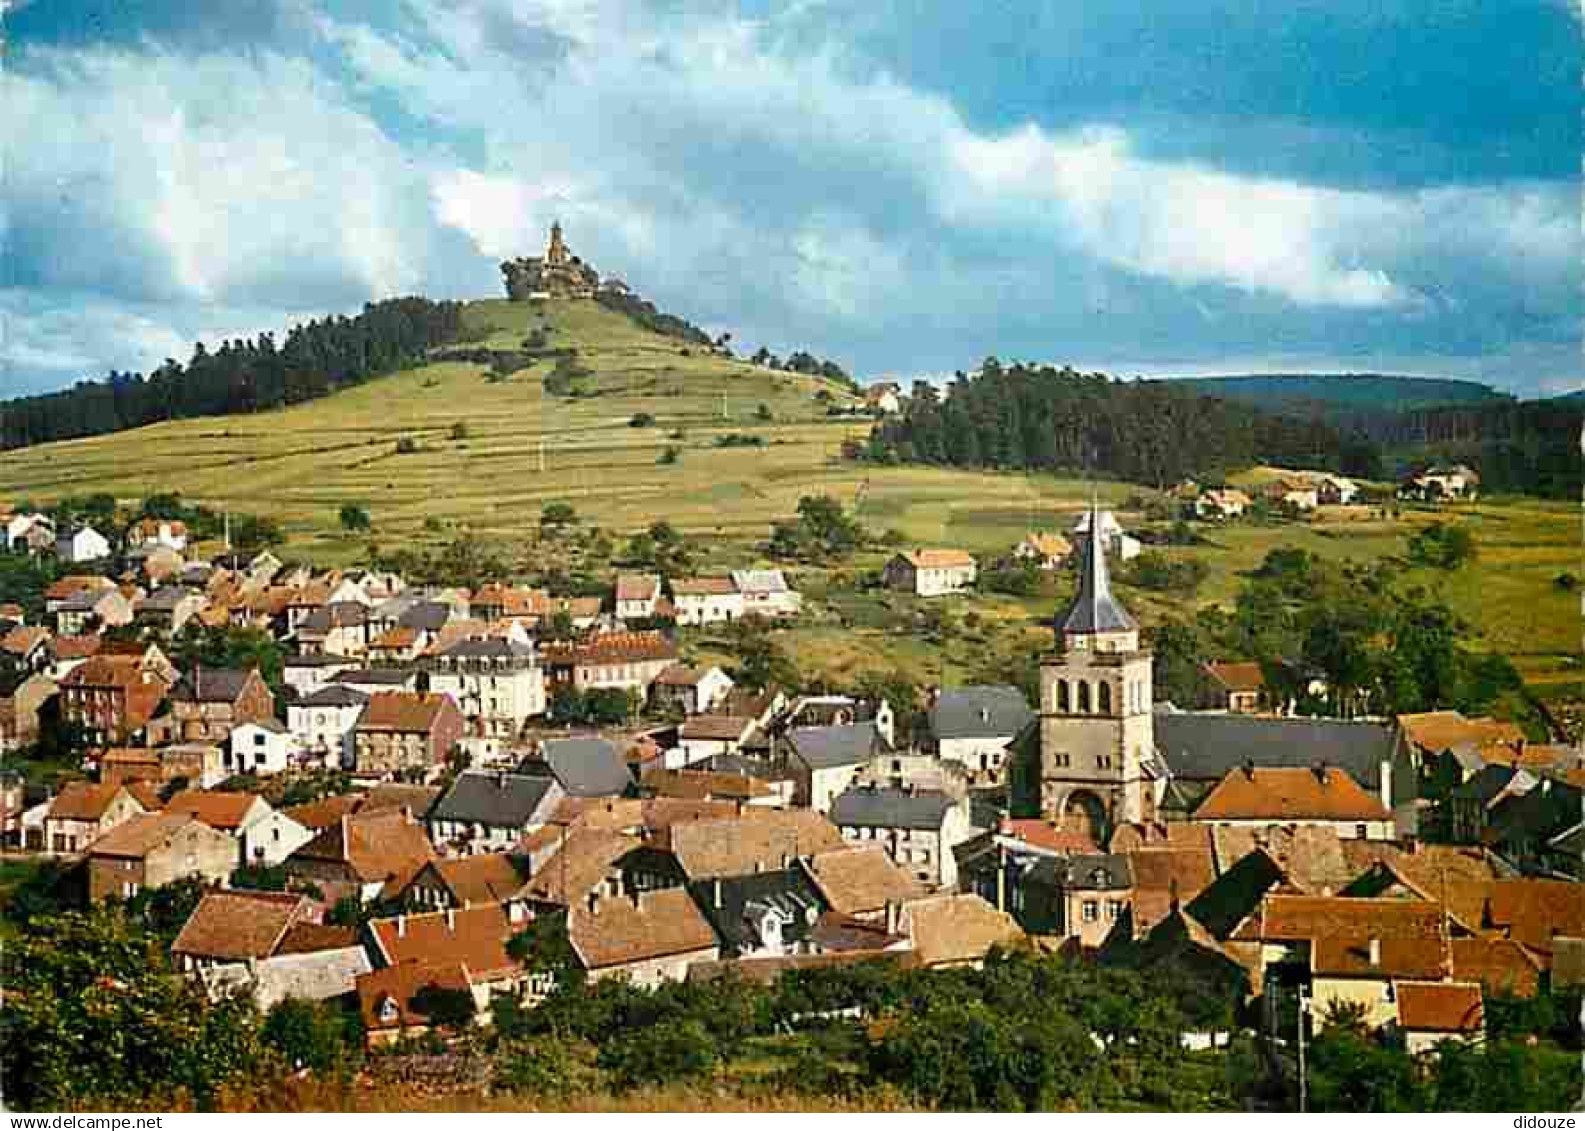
(406,446)
(459,430)
(641,420)
(670,455)
(354,517)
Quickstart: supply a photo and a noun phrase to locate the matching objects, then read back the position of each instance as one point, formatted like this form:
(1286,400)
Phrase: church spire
(1094,609)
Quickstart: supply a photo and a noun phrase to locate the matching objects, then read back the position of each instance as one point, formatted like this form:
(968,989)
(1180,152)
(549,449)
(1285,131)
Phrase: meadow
(491,452)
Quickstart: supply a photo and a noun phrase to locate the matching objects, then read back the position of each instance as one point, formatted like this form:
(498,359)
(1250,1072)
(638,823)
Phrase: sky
(1169,187)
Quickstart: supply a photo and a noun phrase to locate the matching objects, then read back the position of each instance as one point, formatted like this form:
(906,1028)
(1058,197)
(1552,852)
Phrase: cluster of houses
(759,831)
(1297,491)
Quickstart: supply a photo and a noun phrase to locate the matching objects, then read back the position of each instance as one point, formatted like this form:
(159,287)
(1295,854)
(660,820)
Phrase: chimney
(1375,952)
(1249,768)
(401,926)
(451,919)
(1319,769)
(893,916)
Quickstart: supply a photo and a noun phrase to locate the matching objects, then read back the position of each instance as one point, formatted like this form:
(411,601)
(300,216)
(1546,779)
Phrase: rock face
(556,274)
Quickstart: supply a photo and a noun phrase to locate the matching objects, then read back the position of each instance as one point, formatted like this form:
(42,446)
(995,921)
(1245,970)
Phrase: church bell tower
(1096,726)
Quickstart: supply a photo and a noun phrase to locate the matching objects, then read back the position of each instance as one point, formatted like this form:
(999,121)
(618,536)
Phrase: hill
(1343,392)
(482,439)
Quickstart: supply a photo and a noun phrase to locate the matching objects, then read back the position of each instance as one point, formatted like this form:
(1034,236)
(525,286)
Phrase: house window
(1105,694)
(1090,911)
(1062,761)
(1084,698)
(1114,908)
(1062,695)
(1360,832)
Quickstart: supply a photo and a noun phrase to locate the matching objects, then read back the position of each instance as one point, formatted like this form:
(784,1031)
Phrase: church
(557,274)
(1089,760)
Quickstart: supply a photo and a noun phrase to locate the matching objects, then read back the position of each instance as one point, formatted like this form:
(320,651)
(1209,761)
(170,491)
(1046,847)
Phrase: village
(433,771)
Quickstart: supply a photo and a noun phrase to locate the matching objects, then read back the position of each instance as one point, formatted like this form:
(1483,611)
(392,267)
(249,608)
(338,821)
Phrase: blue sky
(1169,187)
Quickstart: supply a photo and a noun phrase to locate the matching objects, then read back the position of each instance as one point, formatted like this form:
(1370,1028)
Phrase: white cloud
(238,180)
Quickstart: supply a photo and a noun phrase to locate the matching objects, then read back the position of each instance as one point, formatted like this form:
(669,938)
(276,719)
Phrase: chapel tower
(1096,726)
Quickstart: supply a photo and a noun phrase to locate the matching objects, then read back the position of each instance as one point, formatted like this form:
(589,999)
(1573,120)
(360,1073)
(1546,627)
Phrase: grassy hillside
(301,464)
(1344,391)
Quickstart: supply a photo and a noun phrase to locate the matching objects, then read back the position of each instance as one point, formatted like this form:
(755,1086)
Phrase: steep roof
(141,835)
(1286,794)
(1236,675)
(1503,966)
(335,695)
(637,586)
(716,728)
(1353,956)
(1318,917)
(734,846)
(1204,747)
(474,937)
(485,877)
(1440,1007)
(399,985)
(951,929)
(402,711)
(733,905)
(585,767)
(884,808)
(622,930)
(860,879)
(1093,608)
(495,800)
(239,924)
(582,862)
(760,581)
(218,810)
(1236,894)
(826,747)
(703,587)
(1164,876)
(938,558)
(83,801)
(384,846)
(989,711)
(211,685)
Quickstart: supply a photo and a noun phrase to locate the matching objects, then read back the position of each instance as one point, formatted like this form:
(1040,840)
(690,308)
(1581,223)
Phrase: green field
(301,464)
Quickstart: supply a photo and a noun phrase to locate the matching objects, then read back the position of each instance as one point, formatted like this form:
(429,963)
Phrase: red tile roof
(218,810)
(400,985)
(1289,794)
(622,929)
(1440,1007)
(474,937)
(1237,675)
(83,801)
(235,925)
(402,711)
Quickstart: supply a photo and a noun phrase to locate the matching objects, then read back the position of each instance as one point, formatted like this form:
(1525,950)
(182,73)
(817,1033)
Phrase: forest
(243,375)
(1023,417)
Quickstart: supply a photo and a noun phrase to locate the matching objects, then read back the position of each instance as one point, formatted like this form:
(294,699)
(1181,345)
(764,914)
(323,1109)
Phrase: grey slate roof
(1094,609)
(508,801)
(735,906)
(376,677)
(585,767)
(1088,872)
(1204,747)
(992,711)
(335,695)
(890,809)
(430,616)
(823,748)
(489,648)
(211,685)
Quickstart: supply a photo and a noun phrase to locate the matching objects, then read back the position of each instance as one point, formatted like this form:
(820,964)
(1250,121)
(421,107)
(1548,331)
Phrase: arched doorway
(1085,812)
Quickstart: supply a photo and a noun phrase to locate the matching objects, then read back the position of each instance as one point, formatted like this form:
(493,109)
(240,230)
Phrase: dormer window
(388,1010)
